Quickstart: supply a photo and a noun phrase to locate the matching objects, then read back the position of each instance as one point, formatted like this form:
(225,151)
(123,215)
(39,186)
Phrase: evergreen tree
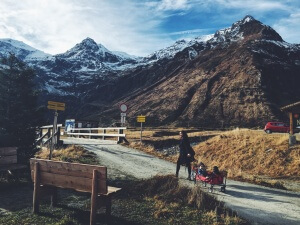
(19,115)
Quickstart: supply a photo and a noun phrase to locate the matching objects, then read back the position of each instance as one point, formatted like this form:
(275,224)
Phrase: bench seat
(48,174)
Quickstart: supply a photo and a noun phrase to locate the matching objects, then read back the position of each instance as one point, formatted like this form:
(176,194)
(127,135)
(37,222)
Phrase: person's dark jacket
(185,149)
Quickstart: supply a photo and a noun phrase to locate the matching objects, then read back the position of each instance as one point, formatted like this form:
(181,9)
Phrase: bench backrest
(69,175)
(8,155)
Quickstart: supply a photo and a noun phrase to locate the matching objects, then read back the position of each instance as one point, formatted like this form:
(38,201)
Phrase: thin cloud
(133,26)
(173,5)
(289,28)
(56,26)
(194,31)
(254,5)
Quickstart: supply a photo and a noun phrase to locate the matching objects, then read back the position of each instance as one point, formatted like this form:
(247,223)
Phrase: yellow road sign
(55,108)
(141,119)
(59,104)
(56,105)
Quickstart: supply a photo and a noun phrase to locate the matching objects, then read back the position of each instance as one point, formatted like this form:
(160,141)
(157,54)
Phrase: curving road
(259,205)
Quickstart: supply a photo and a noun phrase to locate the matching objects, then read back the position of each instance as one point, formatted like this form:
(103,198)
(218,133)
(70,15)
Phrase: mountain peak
(246,27)
(247,19)
(85,47)
(89,43)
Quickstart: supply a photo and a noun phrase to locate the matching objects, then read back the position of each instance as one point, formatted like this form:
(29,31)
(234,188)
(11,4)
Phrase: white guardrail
(78,132)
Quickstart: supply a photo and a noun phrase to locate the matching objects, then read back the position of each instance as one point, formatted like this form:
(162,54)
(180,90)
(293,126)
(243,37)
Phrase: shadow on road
(257,189)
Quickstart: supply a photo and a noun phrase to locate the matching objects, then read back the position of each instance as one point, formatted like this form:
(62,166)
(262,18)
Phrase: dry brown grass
(72,153)
(193,204)
(245,154)
(251,152)
(163,134)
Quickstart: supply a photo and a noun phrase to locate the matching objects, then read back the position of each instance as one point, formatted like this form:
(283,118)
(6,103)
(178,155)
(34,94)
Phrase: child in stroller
(202,170)
(198,169)
(213,178)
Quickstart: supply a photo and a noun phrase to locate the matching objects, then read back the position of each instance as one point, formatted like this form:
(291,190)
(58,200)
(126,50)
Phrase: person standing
(186,154)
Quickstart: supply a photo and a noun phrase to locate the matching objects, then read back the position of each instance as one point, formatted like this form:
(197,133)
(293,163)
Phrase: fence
(100,132)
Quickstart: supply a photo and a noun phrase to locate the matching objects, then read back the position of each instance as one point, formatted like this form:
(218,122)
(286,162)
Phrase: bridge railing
(45,135)
(101,132)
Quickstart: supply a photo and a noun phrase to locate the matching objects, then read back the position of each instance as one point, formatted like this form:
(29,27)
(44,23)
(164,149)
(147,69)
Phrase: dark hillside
(236,82)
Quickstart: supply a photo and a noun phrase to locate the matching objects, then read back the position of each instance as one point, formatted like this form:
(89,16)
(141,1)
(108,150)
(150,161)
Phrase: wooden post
(120,138)
(291,124)
(41,133)
(141,132)
(58,135)
(36,190)
(53,142)
(104,132)
(94,198)
(48,135)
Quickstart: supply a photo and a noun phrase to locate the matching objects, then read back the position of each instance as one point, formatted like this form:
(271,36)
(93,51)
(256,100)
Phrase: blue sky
(135,26)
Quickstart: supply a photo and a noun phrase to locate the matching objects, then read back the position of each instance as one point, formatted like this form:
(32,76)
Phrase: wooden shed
(294,114)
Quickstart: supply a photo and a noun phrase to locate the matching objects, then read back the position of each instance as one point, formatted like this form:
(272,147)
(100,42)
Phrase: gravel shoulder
(257,204)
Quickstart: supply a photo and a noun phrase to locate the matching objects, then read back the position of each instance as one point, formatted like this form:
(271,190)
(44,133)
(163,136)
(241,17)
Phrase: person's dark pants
(188,165)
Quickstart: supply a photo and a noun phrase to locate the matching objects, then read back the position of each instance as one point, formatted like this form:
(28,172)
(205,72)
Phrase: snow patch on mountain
(124,55)
(171,51)
(283,44)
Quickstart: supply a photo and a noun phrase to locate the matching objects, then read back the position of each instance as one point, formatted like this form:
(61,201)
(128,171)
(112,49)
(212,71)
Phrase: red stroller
(213,179)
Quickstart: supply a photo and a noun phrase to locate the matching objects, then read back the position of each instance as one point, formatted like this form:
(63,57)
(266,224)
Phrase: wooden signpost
(54,106)
(141,119)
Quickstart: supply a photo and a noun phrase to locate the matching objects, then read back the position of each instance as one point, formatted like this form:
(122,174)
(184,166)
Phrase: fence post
(120,138)
(104,132)
(49,134)
(58,135)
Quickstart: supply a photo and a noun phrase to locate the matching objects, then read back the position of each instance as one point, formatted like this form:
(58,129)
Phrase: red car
(276,127)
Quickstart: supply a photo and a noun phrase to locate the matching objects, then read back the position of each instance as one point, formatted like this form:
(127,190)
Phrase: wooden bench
(9,159)
(79,177)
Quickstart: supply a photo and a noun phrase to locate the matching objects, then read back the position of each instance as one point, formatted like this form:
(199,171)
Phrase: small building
(293,111)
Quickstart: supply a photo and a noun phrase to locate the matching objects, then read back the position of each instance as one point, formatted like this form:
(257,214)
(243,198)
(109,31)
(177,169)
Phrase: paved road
(257,204)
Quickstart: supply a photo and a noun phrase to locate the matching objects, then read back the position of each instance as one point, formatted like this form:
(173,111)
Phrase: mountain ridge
(229,78)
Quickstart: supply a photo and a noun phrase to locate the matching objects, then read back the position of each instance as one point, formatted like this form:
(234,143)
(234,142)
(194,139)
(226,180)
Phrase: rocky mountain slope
(239,76)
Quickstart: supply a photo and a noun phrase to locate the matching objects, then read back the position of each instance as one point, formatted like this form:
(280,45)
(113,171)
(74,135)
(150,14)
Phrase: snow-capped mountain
(224,36)
(97,57)
(241,76)
(21,50)
(241,59)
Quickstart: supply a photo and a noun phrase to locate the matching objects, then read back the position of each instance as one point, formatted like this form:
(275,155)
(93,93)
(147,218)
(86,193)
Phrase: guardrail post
(120,138)
(104,132)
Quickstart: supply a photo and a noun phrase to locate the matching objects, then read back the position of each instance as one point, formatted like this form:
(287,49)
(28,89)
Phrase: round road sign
(123,108)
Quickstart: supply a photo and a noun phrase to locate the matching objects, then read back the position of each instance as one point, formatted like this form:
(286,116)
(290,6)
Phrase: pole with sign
(123,108)
(141,119)
(54,106)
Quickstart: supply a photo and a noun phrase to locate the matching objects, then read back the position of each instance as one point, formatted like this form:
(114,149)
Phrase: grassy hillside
(251,152)
(246,154)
